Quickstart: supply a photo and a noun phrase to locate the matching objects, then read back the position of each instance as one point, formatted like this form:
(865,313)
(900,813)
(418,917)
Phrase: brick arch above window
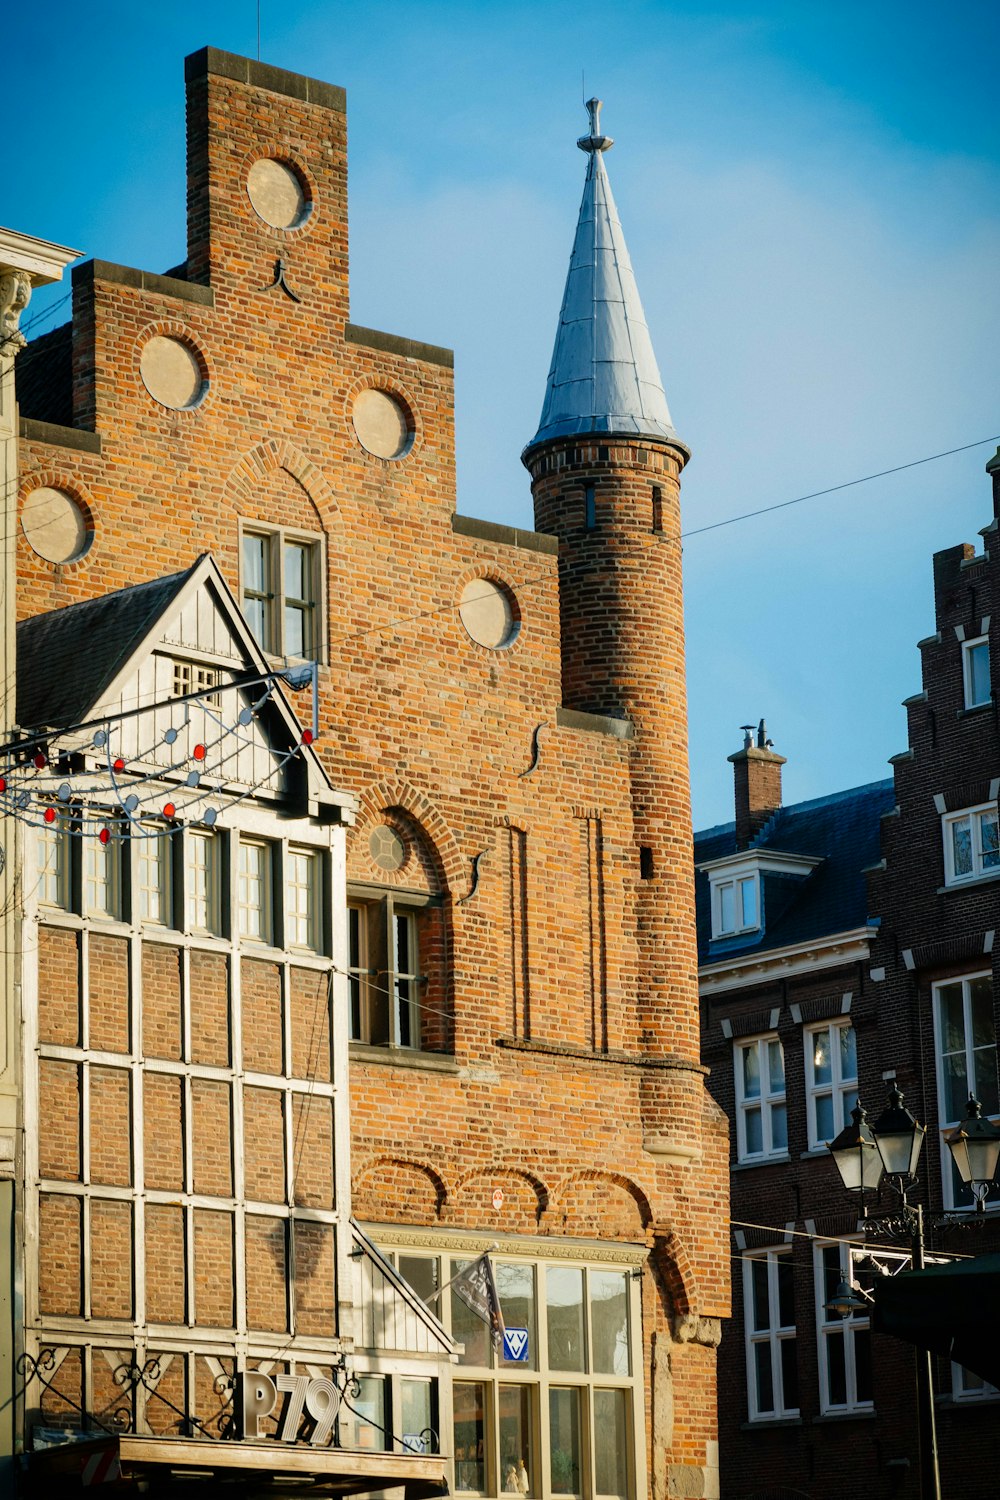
(254,468)
(398,1187)
(388,797)
(525,1198)
(603,1205)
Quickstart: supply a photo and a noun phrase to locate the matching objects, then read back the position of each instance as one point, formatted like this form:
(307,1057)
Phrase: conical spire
(604,377)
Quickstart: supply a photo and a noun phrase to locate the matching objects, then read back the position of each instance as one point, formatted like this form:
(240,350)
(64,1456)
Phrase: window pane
(789,1375)
(727,908)
(564,1441)
(981,1008)
(422,1273)
(786,1291)
(296,630)
(751,1071)
(54,864)
(988,839)
(370,1423)
(154,876)
(985,1080)
(759,1291)
(564,1304)
(516,1290)
(779,1128)
(470,1436)
(256,617)
(754,1132)
(748,902)
(254,564)
(824,1118)
(302,899)
(848,1055)
(952,1018)
(202,877)
(609,1322)
(863,1363)
(961,844)
(611,1447)
(776,1067)
(468,1329)
(762,1376)
(254,893)
(296,571)
(415,1399)
(821,1059)
(977,665)
(956,1086)
(518,1469)
(836,1372)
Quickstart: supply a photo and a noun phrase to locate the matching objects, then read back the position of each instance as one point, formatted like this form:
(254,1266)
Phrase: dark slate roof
(43,377)
(842,830)
(66,659)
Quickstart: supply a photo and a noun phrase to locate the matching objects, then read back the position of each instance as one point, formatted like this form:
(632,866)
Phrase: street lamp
(899,1139)
(856,1154)
(975,1149)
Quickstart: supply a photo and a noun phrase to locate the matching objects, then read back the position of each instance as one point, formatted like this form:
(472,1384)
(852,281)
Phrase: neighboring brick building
(815,988)
(507,711)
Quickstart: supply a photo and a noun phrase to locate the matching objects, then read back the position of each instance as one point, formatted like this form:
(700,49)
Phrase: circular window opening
(172,373)
(489,613)
(386,848)
(278,194)
(54,525)
(382,424)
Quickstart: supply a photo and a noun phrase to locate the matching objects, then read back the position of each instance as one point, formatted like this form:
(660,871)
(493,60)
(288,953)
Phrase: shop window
(761,1121)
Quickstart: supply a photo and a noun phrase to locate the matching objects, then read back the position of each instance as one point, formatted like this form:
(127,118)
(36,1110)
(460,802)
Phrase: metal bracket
(280,280)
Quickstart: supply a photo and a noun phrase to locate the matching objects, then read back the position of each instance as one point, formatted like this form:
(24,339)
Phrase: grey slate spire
(604,377)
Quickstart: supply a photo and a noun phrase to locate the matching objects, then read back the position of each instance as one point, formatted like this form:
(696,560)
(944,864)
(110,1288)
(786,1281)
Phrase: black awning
(952,1310)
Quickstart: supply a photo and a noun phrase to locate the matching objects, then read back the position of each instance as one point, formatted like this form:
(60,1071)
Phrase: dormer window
(976,671)
(736,906)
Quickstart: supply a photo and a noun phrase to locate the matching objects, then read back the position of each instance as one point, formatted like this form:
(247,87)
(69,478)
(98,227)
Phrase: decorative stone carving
(689,1328)
(15,294)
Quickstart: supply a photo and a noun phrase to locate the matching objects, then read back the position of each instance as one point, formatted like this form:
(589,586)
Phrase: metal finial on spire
(595,141)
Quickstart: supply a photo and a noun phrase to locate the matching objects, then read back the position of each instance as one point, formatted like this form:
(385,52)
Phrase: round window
(489,613)
(382,424)
(278,194)
(54,525)
(172,373)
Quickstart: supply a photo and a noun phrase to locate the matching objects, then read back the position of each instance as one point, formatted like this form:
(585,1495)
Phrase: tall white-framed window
(203,885)
(761,1120)
(976,671)
(735,905)
(965,1046)
(971,843)
(155,875)
(564,1418)
(55,865)
(282,590)
(844,1344)
(254,895)
(102,877)
(831,1079)
(303,899)
(769,1321)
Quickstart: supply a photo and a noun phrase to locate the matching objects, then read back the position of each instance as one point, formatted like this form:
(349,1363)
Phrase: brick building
(506,713)
(844,943)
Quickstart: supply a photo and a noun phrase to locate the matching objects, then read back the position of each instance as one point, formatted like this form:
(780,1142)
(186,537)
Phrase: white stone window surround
(730,874)
(274,611)
(976,679)
(831,1066)
(761,1120)
(971,840)
(843,1344)
(770,1334)
(967,1386)
(965,1059)
(538,1379)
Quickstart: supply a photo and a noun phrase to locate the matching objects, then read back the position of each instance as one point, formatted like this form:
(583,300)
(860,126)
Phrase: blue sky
(811,197)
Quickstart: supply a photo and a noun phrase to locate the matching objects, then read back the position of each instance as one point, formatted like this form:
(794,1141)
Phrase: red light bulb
(50,815)
(105,835)
(169,810)
(307,736)
(119,764)
(40,760)
(199,752)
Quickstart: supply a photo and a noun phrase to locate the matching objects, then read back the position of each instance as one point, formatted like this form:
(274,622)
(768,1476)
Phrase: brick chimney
(757,783)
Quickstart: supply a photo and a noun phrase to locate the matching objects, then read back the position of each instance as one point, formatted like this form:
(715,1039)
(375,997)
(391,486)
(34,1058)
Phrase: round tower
(605,469)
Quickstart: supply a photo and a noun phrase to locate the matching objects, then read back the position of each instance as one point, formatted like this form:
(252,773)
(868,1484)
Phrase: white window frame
(255,886)
(303,900)
(767,1101)
(831,1324)
(968,676)
(737,884)
(55,864)
(945,1126)
(975,817)
(272,596)
(154,870)
(842,1091)
(774,1335)
(101,867)
(974,1388)
(203,882)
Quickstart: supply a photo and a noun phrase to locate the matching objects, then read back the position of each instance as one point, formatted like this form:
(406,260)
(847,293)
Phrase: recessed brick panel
(211,1111)
(109,993)
(59,987)
(264,1145)
(213,1268)
(209,1007)
(111,1259)
(165,1276)
(262,1021)
(161,1007)
(163,1131)
(60,1254)
(110,1127)
(266,1272)
(310,1018)
(59,1098)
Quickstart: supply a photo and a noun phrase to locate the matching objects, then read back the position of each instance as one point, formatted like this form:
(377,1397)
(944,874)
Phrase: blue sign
(515,1345)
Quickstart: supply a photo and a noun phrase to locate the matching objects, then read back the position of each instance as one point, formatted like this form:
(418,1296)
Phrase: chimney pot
(756,783)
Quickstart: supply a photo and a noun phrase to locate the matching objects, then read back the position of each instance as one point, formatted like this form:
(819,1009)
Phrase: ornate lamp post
(975,1149)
